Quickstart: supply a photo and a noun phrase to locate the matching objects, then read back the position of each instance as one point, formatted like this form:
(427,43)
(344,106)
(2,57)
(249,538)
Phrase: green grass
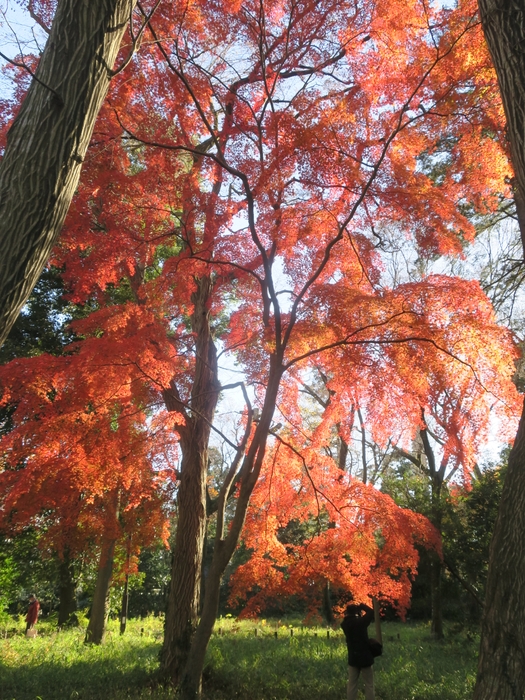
(240,665)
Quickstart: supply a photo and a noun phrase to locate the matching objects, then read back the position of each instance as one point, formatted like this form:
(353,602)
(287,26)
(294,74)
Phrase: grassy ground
(240,665)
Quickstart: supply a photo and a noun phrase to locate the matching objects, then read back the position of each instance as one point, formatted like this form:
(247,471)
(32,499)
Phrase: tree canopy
(244,175)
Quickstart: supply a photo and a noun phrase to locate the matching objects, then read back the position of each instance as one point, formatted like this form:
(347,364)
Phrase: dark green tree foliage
(42,324)
(150,597)
(469,515)
(470,524)
(25,569)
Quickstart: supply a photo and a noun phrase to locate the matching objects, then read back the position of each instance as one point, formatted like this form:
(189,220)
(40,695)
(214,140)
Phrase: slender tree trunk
(343,453)
(96,629)
(48,140)
(501,669)
(124,605)
(185,587)
(364,477)
(327,602)
(377,621)
(66,590)
(436,566)
(125,594)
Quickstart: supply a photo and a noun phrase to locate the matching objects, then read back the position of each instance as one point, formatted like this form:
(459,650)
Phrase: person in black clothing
(360,658)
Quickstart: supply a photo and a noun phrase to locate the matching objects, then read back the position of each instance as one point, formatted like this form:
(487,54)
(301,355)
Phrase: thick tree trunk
(66,590)
(48,140)
(184,593)
(501,670)
(185,587)
(96,629)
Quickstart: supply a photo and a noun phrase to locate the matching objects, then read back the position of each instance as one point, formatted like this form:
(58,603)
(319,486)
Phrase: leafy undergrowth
(240,664)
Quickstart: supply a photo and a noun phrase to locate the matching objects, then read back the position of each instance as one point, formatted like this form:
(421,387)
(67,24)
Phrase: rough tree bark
(47,142)
(501,670)
(185,588)
(96,629)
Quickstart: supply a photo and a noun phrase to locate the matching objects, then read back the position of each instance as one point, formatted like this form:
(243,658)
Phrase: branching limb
(135,39)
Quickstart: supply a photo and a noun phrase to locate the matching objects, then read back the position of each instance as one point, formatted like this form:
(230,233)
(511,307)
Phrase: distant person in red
(32,612)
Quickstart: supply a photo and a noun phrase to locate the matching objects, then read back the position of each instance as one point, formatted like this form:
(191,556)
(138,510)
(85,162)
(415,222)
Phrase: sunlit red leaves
(79,440)
(309,523)
(432,345)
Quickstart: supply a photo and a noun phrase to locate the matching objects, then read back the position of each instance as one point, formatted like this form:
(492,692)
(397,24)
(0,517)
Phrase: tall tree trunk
(501,669)
(226,541)
(47,142)
(66,589)
(185,587)
(96,629)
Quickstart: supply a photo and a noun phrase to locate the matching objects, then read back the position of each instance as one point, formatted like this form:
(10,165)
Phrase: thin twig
(21,64)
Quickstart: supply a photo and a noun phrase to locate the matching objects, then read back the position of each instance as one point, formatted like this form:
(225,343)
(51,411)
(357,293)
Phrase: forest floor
(246,661)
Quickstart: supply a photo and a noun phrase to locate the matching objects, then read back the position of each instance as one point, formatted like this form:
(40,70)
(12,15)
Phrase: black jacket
(355,626)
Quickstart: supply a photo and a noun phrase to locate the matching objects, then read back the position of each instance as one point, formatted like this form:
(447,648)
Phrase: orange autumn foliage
(311,523)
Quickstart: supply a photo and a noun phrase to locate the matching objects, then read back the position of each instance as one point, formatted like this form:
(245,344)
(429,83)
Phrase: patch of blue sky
(20,35)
